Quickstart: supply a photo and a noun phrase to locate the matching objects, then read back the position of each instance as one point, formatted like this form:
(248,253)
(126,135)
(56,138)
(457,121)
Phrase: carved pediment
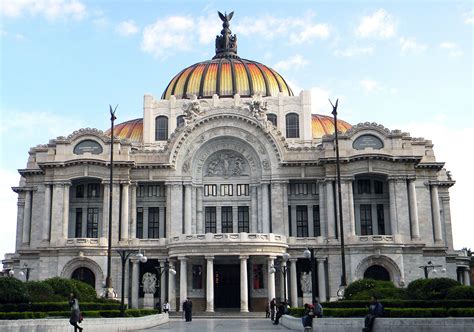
(226,164)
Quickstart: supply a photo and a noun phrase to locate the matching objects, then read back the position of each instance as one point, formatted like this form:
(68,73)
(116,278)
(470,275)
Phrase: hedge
(461,292)
(430,289)
(365,288)
(64,287)
(22,315)
(403,304)
(13,290)
(57,306)
(392,312)
(86,314)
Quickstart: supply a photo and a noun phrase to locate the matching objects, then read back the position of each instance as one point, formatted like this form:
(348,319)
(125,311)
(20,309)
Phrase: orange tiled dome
(132,129)
(324,125)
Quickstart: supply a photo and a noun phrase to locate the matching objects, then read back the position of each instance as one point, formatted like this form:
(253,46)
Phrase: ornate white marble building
(220,184)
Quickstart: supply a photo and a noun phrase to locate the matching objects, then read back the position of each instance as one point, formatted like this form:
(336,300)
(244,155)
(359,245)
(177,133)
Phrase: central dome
(226,74)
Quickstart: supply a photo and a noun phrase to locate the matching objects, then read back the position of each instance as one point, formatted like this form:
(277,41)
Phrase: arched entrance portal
(85,275)
(377,272)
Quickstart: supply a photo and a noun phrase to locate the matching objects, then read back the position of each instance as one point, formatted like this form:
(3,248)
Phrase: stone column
(199,211)
(330,210)
(244,301)
(183,281)
(438,235)
(187,208)
(467,281)
(162,281)
(162,222)
(265,209)
(115,212)
(65,211)
(415,228)
(271,278)
(253,209)
(172,288)
(277,201)
(174,203)
(56,213)
(27,218)
(193,210)
(47,213)
(393,206)
(321,279)
(135,283)
(210,284)
(322,209)
(284,193)
(124,219)
(133,211)
(350,197)
(293,283)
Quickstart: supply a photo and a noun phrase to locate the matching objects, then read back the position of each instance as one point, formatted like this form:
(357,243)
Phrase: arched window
(272,118)
(377,272)
(85,275)
(180,121)
(161,128)
(292,126)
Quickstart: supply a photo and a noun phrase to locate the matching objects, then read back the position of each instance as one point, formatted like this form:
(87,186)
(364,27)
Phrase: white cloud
(370,85)
(309,33)
(208,28)
(453,48)
(50,9)
(378,25)
(127,28)
(469,17)
(354,51)
(447,45)
(410,45)
(294,62)
(166,35)
(319,100)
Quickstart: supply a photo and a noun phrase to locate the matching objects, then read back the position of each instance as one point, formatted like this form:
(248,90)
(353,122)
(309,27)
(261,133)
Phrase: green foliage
(21,315)
(430,289)
(381,293)
(13,291)
(365,288)
(461,293)
(64,287)
(140,312)
(56,306)
(461,312)
(403,304)
(39,291)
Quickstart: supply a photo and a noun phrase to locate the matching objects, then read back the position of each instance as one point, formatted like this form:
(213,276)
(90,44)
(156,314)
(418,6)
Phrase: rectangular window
(363,186)
(227,190)
(290,229)
(80,191)
(366,219)
(316,221)
(301,221)
(378,187)
(153,223)
(141,190)
(92,222)
(210,190)
(78,222)
(226,213)
(210,219)
(299,188)
(140,223)
(197,276)
(380,220)
(314,189)
(258,276)
(243,215)
(242,190)
(93,190)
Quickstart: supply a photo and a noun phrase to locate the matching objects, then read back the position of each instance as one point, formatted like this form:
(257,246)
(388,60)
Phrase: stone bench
(89,324)
(464,324)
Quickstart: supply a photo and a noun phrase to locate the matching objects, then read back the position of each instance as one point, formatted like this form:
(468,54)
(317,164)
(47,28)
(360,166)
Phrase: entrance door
(377,272)
(85,275)
(227,286)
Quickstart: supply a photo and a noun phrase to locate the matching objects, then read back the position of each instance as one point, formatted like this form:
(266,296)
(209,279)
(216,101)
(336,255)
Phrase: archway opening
(85,275)
(377,272)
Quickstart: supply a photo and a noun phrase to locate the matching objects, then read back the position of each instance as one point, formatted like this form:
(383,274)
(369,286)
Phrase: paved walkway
(221,325)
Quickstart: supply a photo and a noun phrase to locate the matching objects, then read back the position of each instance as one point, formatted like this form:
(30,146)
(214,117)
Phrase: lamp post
(427,268)
(283,268)
(109,292)
(340,292)
(162,269)
(309,253)
(25,271)
(124,255)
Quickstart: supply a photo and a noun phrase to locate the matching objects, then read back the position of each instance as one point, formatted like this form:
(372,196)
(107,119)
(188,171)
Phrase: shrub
(416,312)
(461,312)
(403,304)
(64,287)
(366,288)
(39,291)
(56,306)
(13,291)
(22,315)
(430,289)
(461,293)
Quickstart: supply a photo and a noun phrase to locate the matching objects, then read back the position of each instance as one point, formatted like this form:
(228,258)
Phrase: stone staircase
(220,314)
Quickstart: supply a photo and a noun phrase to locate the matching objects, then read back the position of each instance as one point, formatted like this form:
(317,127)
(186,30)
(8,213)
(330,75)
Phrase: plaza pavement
(220,325)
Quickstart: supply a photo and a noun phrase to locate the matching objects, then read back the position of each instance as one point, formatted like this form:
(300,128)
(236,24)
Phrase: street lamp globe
(286,256)
(142,258)
(21,273)
(11,273)
(272,270)
(173,271)
(307,253)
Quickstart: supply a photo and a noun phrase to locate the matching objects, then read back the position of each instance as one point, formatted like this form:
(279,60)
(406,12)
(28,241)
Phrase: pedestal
(307,298)
(149,301)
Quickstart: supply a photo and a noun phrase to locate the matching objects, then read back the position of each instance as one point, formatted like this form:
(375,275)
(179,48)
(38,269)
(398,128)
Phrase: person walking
(375,310)
(166,307)
(318,309)
(188,310)
(267,310)
(308,316)
(75,313)
(280,312)
(272,309)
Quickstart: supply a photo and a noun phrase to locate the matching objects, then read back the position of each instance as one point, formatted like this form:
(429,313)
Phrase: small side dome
(132,130)
(324,125)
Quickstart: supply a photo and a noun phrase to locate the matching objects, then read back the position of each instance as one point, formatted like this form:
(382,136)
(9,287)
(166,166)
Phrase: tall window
(316,221)
(197,276)
(80,191)
(153,223)
(301,221)
(227,190)
(210,218)
(78,222)
(92,222)
(243,215)
(226,213)
(93,190)
(272,118)
(242,190)
(258,276)
(140,223)
(210,190)
(161,128)
(180,121)
(366,219)
(380,220)
(292,126)
(363,186)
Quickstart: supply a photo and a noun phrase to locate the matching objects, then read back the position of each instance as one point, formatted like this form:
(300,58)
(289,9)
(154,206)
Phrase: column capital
(293,260)
(125,182)
(396,178)
(272,258)
(182,258)
(209,258)
(321,259)
(62,183)
(244,256)
(280,182)
(173,183)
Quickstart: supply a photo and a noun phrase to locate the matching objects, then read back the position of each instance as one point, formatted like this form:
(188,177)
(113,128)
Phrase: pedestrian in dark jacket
(280,312)
(318,309)
(188,310)
(375,310)
(267,310)
(75,313)
(308,315)
(272,308)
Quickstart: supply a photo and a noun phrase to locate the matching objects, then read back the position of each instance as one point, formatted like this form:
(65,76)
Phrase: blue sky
(404,64)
